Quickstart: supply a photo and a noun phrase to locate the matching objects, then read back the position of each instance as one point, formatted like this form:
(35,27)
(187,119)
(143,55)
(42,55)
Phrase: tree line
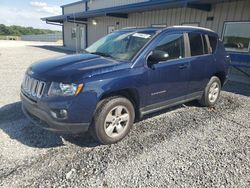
(15,30)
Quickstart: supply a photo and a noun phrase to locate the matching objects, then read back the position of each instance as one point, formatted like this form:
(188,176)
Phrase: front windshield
(120,45)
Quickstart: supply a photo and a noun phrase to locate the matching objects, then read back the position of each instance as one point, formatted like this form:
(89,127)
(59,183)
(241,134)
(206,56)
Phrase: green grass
(3,37)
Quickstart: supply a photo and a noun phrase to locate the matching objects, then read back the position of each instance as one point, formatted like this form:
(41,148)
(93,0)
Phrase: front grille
(33,87)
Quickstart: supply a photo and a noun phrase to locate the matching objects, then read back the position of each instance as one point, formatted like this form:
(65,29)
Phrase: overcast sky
(29,12)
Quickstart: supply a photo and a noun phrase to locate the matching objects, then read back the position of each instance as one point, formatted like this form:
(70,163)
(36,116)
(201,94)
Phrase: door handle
(183,66)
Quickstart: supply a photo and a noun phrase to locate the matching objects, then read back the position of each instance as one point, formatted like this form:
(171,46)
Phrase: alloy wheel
(213,92)
(116,121)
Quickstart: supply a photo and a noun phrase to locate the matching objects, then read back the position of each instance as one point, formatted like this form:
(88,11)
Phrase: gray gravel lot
(185,146)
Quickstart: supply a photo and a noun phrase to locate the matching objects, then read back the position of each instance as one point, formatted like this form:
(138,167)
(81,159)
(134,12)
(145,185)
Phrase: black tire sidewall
(101,114)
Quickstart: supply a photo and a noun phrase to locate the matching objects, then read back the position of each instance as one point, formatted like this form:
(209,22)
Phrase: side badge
(158,93)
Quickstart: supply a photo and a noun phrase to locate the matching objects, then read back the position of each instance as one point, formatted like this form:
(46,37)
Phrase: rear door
(200,60)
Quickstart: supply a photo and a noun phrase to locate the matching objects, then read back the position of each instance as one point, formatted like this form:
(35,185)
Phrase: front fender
(132,78)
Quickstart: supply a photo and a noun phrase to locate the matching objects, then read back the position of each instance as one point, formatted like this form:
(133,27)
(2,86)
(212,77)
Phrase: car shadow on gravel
(18,127)
(237,88)
(14,123)
(83,140)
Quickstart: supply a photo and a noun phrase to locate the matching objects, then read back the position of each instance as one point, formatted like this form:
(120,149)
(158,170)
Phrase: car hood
(71,68)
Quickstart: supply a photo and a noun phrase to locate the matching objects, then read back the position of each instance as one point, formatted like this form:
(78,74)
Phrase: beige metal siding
(228,11)
(69,42)
(98,4)
(80,7)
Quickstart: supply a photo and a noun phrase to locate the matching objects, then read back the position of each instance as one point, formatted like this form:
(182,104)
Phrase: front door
(168,80)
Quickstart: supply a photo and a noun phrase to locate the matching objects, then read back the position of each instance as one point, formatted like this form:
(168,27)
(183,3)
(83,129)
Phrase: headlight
(60,89)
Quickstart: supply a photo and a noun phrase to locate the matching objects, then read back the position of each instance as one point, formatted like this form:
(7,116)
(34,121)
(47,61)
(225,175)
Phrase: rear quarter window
(205,45)
(213,42)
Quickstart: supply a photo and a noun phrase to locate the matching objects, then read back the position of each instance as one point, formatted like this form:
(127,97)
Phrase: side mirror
(156,56)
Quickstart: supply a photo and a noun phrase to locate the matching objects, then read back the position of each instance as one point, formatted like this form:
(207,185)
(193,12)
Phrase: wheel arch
(131,94)
(221,76)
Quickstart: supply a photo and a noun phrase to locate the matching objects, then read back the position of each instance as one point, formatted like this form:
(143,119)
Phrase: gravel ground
(185,146)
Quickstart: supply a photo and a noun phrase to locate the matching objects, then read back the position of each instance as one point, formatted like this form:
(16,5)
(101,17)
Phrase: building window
(73,33)
(236,36)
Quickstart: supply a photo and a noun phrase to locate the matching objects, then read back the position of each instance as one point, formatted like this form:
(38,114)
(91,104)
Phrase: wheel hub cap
(116,121)
(213,92)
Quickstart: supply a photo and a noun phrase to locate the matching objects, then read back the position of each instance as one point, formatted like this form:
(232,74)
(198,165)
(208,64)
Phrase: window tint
(196,45)
(213,43)
(173,45)
(236,36)
(205,46)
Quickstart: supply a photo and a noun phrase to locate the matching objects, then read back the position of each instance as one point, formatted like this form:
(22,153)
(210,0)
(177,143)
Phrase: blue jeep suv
(122,77)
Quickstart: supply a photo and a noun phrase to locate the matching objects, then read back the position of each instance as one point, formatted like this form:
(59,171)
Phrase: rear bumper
(46,121)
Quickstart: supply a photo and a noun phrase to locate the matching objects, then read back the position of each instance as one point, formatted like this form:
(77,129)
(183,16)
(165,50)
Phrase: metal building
(85,21)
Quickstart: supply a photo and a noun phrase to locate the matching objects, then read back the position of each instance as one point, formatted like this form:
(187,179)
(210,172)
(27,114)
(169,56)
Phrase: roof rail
(194,27)
(130,27)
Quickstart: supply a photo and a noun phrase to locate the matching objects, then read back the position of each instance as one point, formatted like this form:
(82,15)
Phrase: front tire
(211,93)
(113,120)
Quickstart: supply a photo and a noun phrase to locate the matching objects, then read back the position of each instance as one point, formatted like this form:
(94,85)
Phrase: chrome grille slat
(40,89)
(33,87)
(30,85)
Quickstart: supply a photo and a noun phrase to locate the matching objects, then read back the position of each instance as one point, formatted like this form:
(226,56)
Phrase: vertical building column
(63,27)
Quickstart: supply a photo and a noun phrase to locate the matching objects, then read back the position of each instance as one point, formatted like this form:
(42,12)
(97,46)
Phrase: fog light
(59,113)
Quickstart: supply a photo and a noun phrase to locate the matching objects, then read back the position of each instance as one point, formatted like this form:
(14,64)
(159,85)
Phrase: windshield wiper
(101,54)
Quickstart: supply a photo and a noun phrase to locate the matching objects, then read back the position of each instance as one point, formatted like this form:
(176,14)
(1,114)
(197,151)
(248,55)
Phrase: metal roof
(124,10)
(56,19)
(74,3)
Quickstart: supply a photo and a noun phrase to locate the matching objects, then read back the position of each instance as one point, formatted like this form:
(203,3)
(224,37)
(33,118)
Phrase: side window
(196,45)
(205,46)
(173,45)
(213,42)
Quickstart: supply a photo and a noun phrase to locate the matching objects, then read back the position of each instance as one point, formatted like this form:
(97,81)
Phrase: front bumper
(44,119)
